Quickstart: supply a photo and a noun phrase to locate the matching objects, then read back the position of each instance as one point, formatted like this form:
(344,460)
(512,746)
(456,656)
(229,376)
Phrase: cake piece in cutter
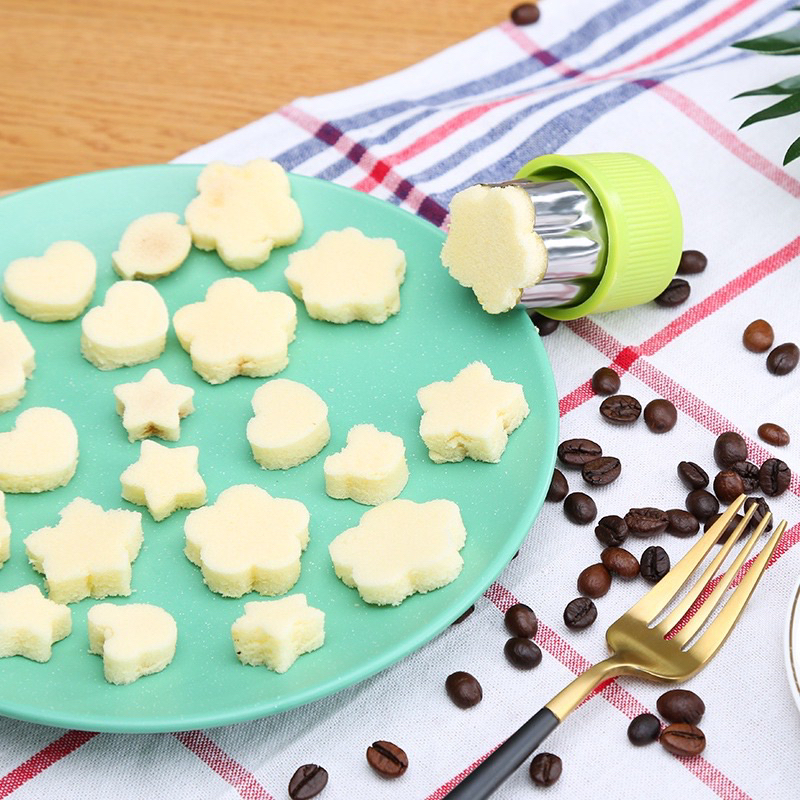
(153,406)
(348,276)
(399,548)
(248,541)
(371,469)
(152,246)
(164,479)
(88,553)
(290,424)
(5,532)
(55,286)
(244,212)
(40,453)
(237,330)
(470,416)
(129,328)
(30,624)
(273,633)
(17,362)
(134,640)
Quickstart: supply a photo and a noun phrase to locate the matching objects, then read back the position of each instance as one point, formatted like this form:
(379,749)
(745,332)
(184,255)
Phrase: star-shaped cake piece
(470,416)
(5,532)
(30,623)
(17,362)
(164,479)
(153,406)
(88,553)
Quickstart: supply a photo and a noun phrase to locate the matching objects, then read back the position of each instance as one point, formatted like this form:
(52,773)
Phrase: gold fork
(640,647)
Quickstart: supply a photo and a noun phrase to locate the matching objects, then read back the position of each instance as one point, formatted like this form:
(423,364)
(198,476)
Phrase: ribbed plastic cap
(643,220)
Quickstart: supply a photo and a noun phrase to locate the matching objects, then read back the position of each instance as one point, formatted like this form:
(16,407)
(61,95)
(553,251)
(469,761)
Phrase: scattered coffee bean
(729,529)
(594,581)
(783,358)
(522,653)
(307,782)
(774,477)
(460,619)
(728,485)
(525,14)
(646,521)
(620,562)
(559,488)
(773,434)
(621,409)
(580,508)
(748,472)
(580,613)
(543,324)
(654,564)
(545,769)
(758,336)
(521,621)
(387,759)
(463,689)
(605,381)
(681,705)
(762,509)
(682,739)
(729,448)
(644,729)
(577,452)
(676,293)
(601,471)
(682,523)
(702,504)
(692,262)
(693,476)
(660,415)
(612,531)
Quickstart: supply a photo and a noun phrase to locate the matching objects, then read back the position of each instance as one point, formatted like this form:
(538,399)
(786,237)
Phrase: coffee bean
(654,564)
(580,613)
(521,621)
(387,759)
(676,293)
(681,705)
(522,653)
(692,262)
(580,508)
(646,521)
(545,769)
(463,689)
(748,472)
(460,619)
(682,523)
(525,14)
(605,381)
(701,504)
(762,509)
(774,477)
(543,324)
(729,448)
(594,581)
(682,739)
(693,476)
(621,409)
(577,452)
(559,488)
(307,782)
(773,434)
(620,562)
(783,358)
(601,471)
(660,415)
(612,531)
(728,486)
(758,336)
(729,528)
(644,729)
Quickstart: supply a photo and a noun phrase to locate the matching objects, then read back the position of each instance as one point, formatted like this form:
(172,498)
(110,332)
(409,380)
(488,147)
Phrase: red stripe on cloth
(445,788)
(45,758)
(225,766)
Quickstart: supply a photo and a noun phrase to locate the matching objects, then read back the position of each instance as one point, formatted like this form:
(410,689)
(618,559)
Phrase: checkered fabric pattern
(653,77)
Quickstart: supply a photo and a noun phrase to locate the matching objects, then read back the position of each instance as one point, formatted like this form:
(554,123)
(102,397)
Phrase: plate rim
(791,650)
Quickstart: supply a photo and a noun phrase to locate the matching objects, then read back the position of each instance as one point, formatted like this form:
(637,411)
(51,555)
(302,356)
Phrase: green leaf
(783,43)
(786,86)
(793,152)
(789,105)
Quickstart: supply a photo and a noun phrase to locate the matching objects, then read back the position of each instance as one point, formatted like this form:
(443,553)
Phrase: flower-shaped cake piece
(347,276)
(470,416)
(5,532)
(248,541)
(134,640)
(152,246)
(164,479)
(88,553)
(399,548)
(244,212)
(492,247)
(237,330)
(371,469)
(17,362)
(273,633)
(30,624)
(153,406)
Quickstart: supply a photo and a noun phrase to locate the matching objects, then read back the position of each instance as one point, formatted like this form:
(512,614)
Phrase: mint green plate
(366,373)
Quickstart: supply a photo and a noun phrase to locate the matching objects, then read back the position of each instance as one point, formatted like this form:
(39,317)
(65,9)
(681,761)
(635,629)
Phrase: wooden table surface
(91,84)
